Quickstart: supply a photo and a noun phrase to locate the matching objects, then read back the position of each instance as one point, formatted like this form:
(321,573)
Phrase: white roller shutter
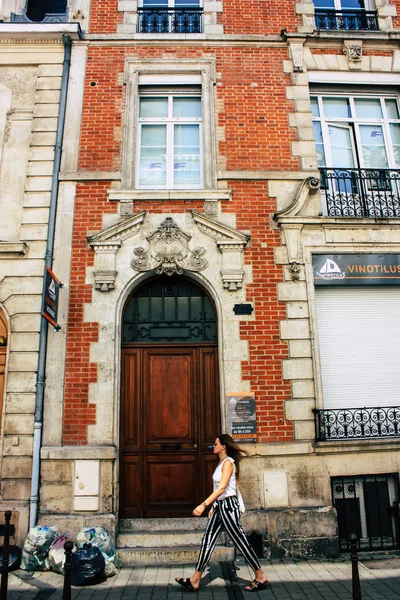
(359,340)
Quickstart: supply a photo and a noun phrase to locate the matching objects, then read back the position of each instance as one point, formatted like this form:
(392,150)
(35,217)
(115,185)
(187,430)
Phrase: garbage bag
(57,554)
(87,566)
(101,539)
(14,558)
(36,547)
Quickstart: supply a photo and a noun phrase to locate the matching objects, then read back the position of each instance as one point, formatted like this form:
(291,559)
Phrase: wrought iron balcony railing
(170,20)
(349,20)
(373,193)
(356,423)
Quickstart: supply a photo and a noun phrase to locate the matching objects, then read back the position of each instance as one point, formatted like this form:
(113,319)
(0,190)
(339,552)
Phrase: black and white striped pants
(226,515)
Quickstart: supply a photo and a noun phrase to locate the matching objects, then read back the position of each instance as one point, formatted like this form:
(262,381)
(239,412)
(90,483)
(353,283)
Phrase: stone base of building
(299,532)
(304,532)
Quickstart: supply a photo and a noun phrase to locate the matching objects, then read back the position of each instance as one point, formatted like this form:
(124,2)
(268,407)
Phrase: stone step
(158,539)
(182,524)
(175,555)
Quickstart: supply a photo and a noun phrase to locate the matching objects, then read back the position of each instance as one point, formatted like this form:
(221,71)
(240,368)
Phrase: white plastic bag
(241,502)
(36,548)
(57,554)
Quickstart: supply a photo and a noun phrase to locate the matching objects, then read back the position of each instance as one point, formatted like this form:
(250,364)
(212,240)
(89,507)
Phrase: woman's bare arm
(227,470)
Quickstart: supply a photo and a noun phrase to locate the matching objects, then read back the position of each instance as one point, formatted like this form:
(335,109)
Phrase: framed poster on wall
(242,416)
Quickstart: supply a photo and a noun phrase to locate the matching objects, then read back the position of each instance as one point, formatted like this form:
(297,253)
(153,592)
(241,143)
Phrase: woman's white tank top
(230,489)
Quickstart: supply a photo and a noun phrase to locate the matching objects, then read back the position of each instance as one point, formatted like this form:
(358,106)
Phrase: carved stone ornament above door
(168,252)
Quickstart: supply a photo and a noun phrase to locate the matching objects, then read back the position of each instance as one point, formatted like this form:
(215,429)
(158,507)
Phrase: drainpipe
(44,325)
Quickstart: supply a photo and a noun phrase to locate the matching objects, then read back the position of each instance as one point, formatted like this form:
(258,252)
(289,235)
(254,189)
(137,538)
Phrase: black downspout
(43,334)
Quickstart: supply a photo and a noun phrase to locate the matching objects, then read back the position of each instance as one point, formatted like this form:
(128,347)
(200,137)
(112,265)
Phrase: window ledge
(169,36)
(12,249)
(78,452)
(171,195)
(357,445)
(350,34)
(338,222)
(33,31)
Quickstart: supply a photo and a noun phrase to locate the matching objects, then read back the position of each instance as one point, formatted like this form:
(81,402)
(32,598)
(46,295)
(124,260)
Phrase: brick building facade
(222,155)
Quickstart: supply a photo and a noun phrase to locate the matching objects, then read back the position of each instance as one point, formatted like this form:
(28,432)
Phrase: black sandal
(256,586)
(186,584)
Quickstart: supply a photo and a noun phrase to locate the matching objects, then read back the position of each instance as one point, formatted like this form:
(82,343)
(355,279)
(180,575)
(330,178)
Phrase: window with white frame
(356,131)
(170,138)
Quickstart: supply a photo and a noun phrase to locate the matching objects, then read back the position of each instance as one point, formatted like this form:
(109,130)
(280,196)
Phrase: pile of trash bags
(101,539)
(94,557)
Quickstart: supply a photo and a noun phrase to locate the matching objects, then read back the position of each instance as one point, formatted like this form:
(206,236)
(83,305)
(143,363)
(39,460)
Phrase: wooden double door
(170,415)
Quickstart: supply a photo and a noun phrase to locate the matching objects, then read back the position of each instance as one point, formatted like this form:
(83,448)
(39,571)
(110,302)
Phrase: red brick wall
(104,16)
(258,17)
(264,369)
(90,205)
(251,89)
(396,20)
(250,83)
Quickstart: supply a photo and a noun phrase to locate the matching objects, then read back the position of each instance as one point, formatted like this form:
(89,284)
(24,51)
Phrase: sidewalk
(289,580)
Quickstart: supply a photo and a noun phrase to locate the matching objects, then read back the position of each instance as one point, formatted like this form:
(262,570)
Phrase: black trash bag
(87,566)
(14,558)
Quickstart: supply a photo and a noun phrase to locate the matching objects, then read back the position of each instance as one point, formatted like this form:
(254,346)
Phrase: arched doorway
(170,410)
(3,355)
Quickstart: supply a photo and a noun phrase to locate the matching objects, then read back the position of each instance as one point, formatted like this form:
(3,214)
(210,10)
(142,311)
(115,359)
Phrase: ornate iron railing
(349,20)
(356,423)
(170,20)
(371,193)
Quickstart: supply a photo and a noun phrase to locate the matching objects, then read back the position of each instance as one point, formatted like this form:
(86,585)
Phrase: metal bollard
(5,530)
(67,571)
(354,567)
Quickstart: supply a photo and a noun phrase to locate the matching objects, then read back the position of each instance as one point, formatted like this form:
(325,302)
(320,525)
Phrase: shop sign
(356,269)
(50,298)
(242,416)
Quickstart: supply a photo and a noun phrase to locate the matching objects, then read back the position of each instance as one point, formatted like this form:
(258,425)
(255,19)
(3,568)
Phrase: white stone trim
(126,198)
(44,31)
(12,249)
(358,78)
(73,115)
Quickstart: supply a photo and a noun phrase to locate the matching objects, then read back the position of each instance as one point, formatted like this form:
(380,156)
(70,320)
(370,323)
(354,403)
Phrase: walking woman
(224,514)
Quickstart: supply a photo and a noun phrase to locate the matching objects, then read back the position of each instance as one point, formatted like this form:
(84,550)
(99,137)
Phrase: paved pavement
(289,580)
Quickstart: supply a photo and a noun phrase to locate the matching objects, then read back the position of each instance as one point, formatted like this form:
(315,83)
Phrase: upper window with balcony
(170,16)
(349,15)
(43,11)
(169,148)
(358,150)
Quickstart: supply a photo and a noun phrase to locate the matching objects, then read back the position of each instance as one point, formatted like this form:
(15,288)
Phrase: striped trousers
(226,515)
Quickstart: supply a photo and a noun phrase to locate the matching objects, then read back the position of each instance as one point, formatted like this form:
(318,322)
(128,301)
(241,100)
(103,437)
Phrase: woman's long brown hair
(232,450)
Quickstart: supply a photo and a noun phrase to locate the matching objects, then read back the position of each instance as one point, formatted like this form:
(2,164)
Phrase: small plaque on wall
(243,309)
(242,416)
